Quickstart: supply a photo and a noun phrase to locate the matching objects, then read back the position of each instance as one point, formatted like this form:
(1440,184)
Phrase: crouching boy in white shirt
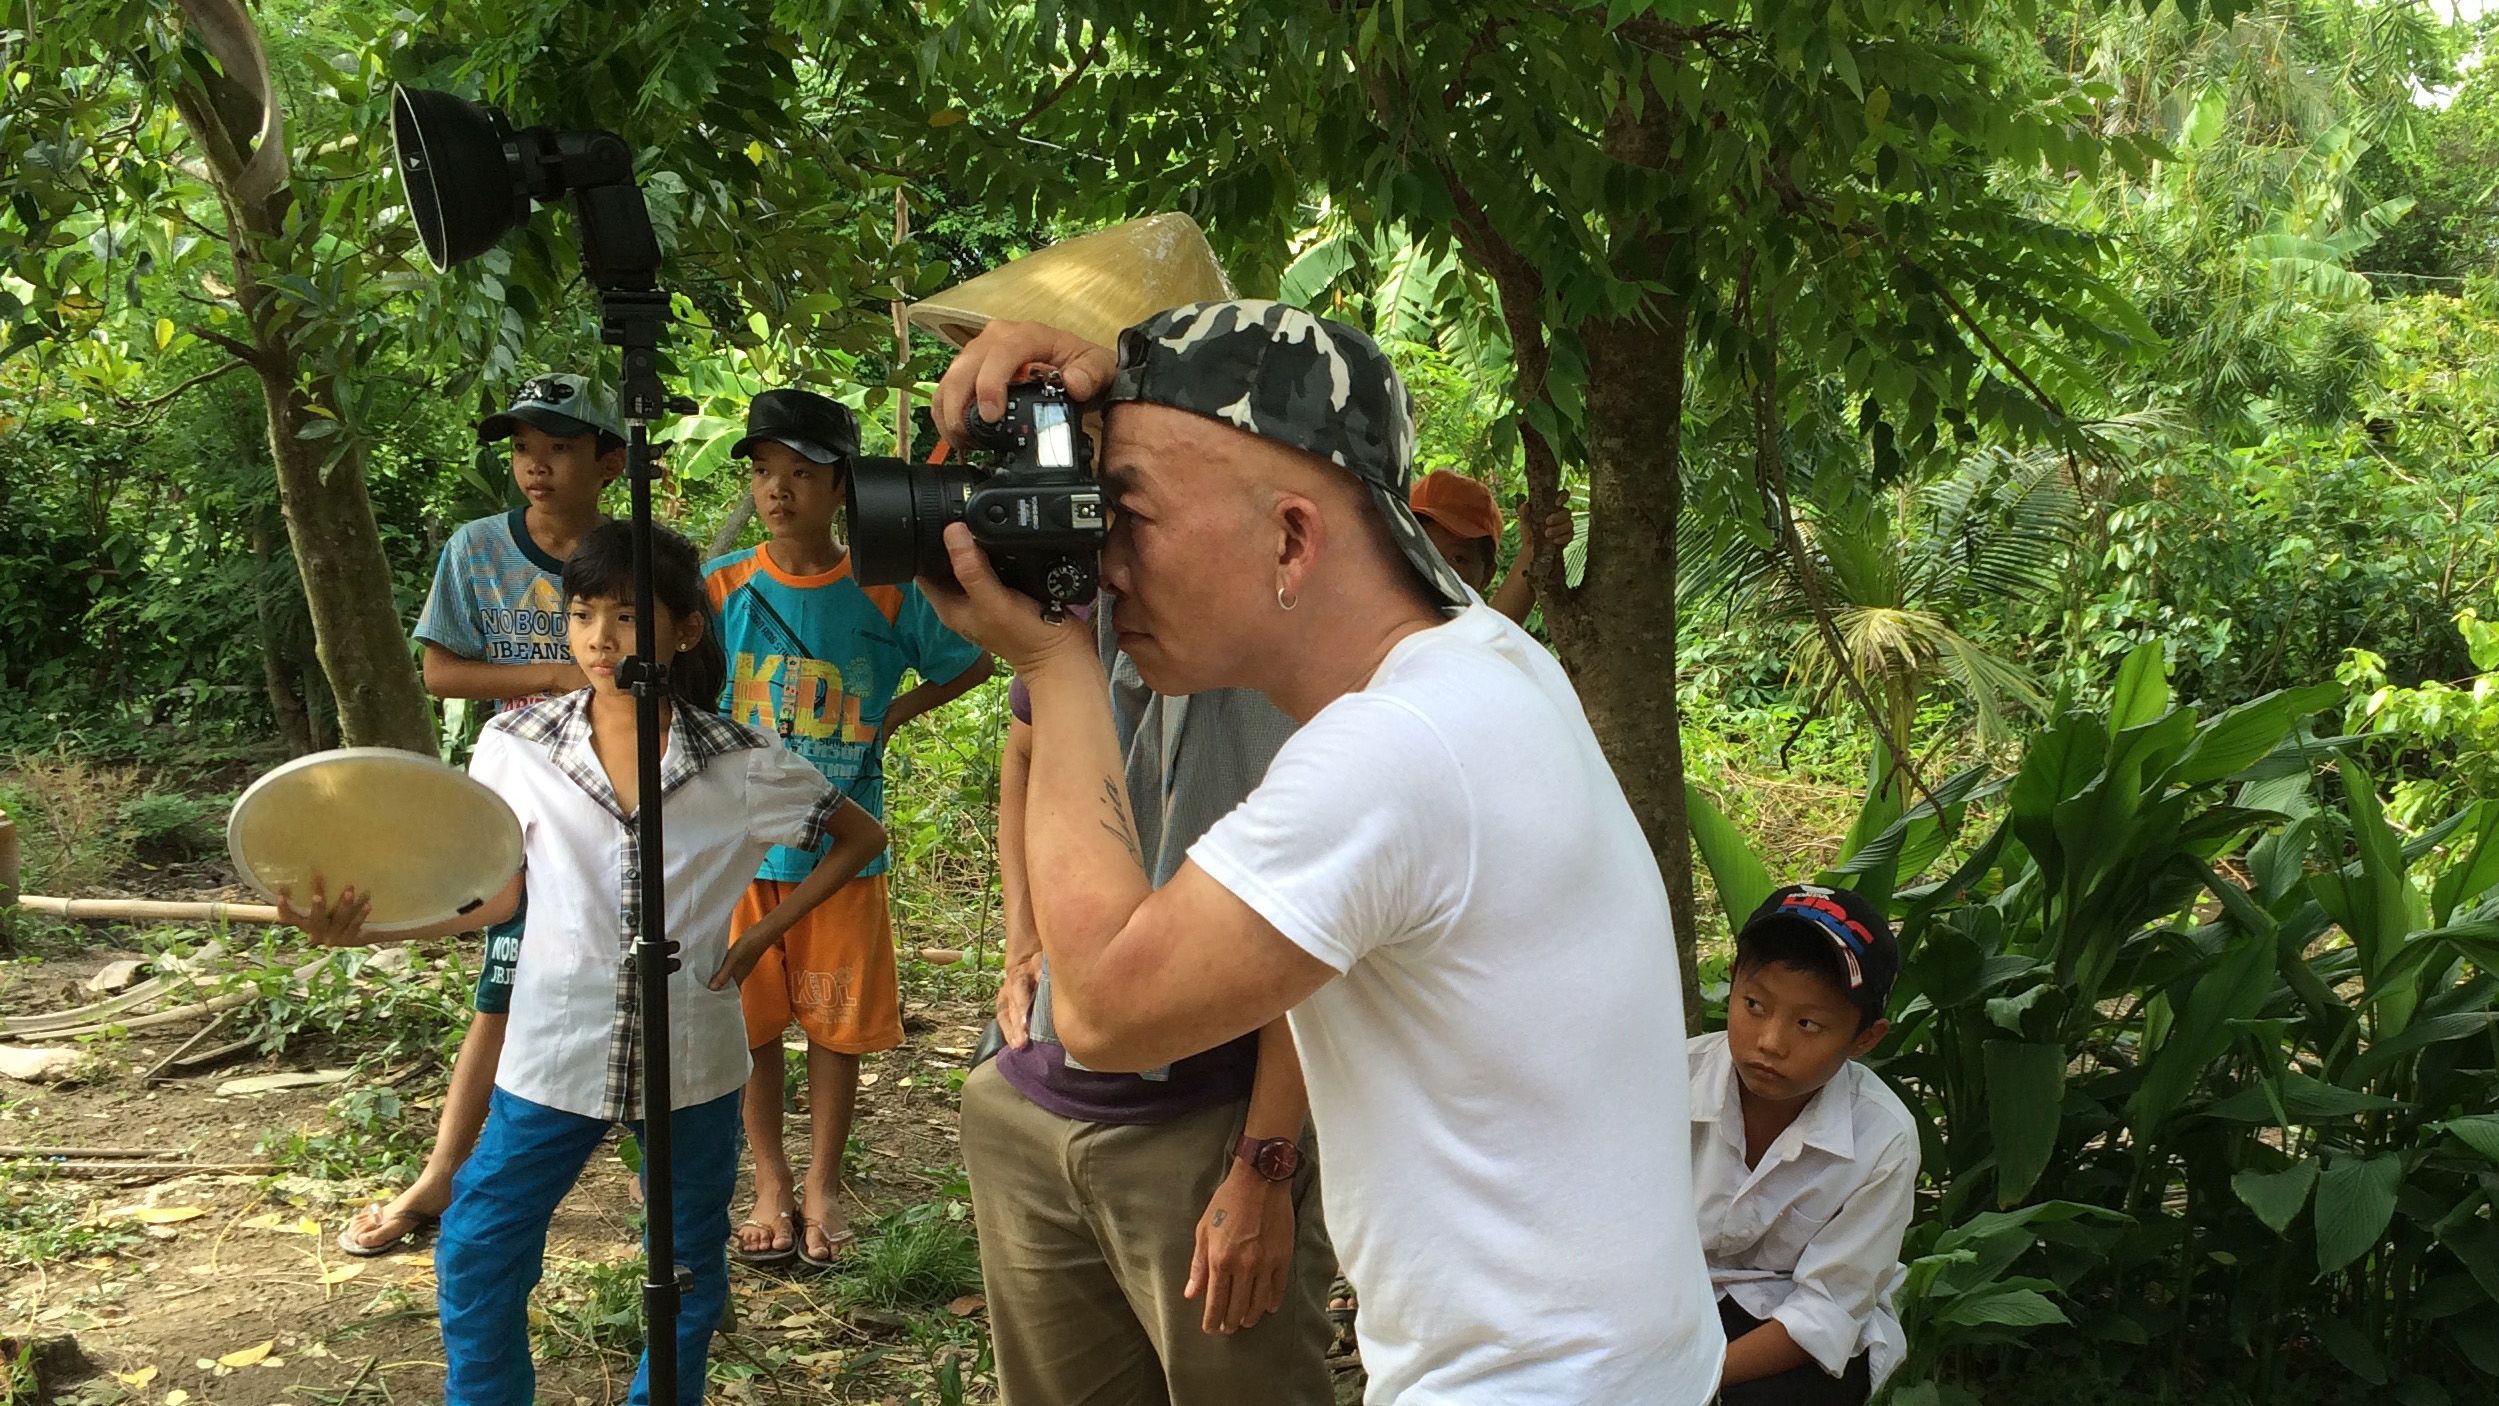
(1803,1163)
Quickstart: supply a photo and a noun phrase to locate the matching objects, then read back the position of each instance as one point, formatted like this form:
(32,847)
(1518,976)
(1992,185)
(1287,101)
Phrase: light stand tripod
(470,178)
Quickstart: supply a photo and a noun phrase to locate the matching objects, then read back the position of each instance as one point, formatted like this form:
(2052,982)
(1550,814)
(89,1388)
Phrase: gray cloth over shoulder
(1190,760)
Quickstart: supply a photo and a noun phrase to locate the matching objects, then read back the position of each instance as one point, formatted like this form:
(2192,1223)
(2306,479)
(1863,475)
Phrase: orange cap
(1457,503)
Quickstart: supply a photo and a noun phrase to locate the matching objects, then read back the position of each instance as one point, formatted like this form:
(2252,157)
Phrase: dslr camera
(1036,509)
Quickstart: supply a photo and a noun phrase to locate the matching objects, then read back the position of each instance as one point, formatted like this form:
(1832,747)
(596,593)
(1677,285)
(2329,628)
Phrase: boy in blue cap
(1804,1164)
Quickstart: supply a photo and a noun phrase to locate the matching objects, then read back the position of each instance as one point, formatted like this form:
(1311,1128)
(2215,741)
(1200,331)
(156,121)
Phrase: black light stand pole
(630,321)
(470,179)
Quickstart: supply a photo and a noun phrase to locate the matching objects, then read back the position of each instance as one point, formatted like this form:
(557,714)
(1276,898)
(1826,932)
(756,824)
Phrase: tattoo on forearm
(1115,796)
(1219,1218)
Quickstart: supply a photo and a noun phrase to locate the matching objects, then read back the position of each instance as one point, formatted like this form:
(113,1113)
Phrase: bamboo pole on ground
(149,910)
(152,910)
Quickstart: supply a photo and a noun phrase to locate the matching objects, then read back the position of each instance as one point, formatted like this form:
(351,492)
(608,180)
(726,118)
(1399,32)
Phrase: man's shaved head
(1219,535)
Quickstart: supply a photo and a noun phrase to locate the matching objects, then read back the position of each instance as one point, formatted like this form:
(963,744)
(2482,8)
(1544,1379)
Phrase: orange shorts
(833,973)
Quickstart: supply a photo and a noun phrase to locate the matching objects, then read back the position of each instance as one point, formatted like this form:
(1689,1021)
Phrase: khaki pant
(1086,1231)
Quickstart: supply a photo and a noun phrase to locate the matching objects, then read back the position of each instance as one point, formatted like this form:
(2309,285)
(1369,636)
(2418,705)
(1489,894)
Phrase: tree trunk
(9,870)
(329,518)
(285,705)
(320,712)
(725,537)
(338,552)
(1616,634)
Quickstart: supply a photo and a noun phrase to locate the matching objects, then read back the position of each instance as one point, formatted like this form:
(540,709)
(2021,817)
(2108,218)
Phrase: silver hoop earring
(1282,603)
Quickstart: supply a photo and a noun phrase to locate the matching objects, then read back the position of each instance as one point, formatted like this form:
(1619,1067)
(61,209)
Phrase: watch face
(1277,1160)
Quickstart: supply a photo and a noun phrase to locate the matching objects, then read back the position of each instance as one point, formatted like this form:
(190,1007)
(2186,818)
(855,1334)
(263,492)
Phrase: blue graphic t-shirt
(497,598)
(816,659)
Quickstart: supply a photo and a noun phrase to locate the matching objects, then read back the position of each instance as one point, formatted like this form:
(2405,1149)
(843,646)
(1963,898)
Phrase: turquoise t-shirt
(817,660)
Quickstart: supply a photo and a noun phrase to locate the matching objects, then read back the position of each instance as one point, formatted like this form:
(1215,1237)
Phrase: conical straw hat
(1093,285)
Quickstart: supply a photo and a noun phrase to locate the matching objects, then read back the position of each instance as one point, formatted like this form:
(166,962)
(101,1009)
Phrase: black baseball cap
(1869,957)
(561,404)
(818,427)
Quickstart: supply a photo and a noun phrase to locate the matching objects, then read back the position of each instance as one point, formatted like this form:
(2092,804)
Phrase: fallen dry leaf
(271,1083)
(116,976)
(245,1357)
(176,1397)
(163,1215)
(968,1305)
(343,1273)
(136,1380)
(266,1221)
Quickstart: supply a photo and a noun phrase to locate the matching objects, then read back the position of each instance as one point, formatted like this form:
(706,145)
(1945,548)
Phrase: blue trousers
(493,1244)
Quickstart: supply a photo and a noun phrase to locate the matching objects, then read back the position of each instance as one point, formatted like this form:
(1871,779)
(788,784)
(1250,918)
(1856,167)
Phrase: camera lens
(897,513)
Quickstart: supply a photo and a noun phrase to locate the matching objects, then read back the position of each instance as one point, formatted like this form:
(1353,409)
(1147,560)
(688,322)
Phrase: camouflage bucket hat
(1302,381)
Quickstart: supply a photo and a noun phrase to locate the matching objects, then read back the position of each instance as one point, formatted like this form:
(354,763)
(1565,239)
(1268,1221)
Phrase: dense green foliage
(2207,1048)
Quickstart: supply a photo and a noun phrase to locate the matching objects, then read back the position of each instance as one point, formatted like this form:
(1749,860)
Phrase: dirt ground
(226,1288)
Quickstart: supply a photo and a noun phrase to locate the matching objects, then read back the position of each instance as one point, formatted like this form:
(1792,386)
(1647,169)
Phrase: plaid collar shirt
(560,727)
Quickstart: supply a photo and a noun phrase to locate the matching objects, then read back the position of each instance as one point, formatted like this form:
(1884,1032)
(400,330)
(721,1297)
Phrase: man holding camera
(1438,877)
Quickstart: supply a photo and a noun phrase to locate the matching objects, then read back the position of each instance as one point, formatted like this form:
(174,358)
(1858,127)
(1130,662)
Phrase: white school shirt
(1810,1237)
(1504,1124)
(732,793)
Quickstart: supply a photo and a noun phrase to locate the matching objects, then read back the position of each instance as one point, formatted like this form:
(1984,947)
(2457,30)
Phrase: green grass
(39,1226)
(589,1307)
(373,1139)
(920,1257)
(391,1015)
(951,981)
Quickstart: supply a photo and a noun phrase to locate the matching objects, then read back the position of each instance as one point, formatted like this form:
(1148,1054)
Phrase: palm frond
(1988,683)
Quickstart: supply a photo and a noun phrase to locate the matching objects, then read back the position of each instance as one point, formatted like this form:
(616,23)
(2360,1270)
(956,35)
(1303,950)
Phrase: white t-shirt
(1498,1077)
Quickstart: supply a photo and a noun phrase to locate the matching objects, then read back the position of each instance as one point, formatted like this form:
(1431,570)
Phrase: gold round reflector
(423,839)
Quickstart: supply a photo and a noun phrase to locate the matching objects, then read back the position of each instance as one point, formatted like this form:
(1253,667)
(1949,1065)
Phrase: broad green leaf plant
(2208,1046)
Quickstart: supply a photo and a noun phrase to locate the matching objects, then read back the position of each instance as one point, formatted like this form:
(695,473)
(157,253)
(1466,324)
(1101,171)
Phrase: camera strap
(785,695)
(785,691)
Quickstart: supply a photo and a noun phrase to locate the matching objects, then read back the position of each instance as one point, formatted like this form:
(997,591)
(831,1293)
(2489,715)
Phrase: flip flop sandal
(769,1256)
(840,1245)
(420,1226)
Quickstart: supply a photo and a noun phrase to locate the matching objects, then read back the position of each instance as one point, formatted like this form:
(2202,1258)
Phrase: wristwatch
(1275,1158)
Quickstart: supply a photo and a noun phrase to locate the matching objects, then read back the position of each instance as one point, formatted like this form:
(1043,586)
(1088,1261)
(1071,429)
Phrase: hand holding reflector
(425,841)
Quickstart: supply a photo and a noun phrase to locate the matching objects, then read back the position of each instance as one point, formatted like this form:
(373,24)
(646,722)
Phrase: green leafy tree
(155,149)
(1895,585)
